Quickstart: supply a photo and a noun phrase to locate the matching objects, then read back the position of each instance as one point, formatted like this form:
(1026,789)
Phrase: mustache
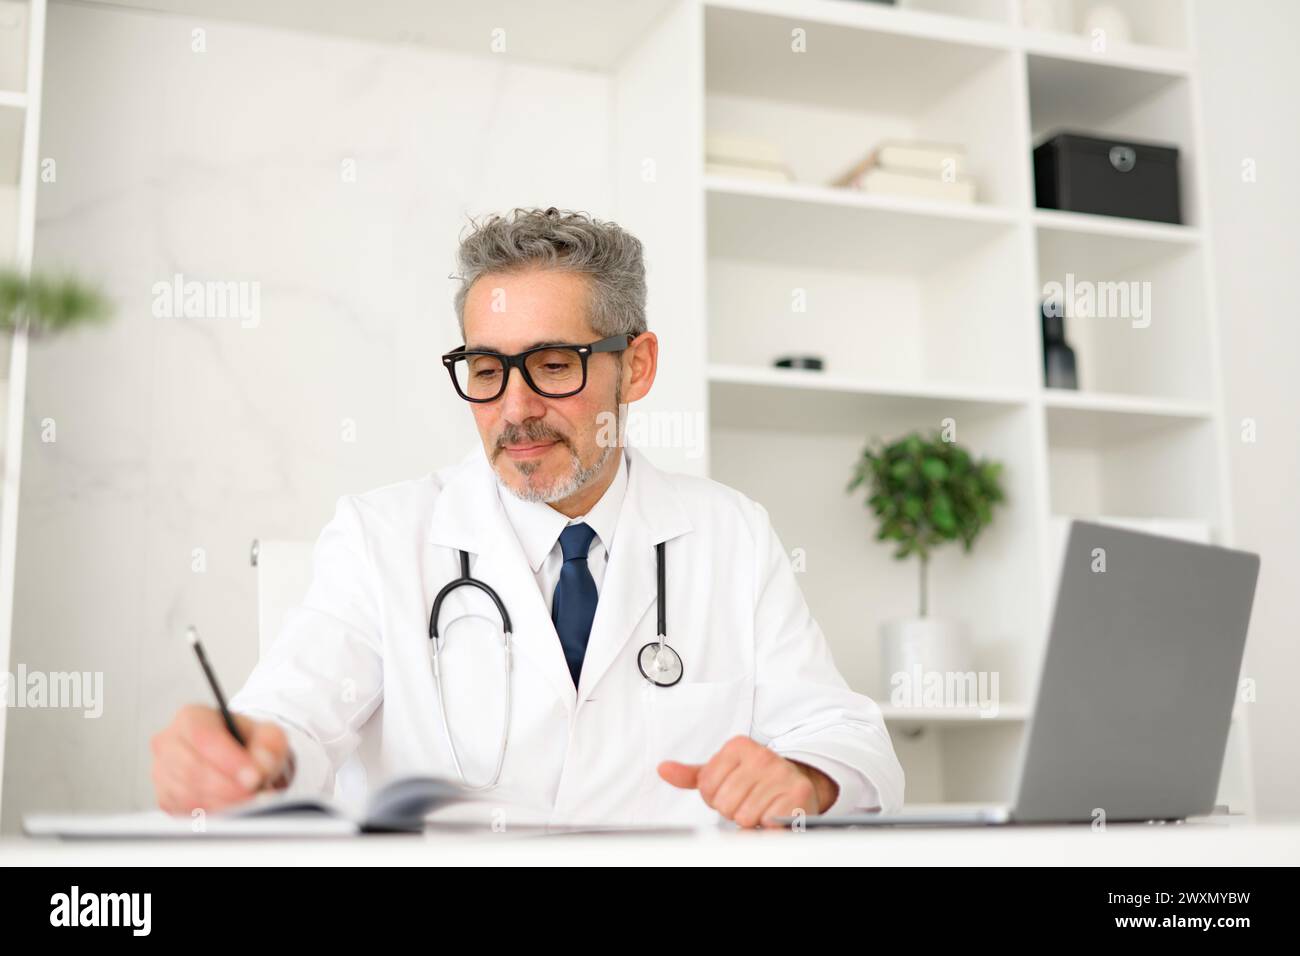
(531,432)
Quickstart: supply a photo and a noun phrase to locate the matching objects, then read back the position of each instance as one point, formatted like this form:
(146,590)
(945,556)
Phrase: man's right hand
(198,764)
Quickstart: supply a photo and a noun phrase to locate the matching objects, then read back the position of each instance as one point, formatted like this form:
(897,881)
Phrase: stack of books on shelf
(729,154)
(923,170)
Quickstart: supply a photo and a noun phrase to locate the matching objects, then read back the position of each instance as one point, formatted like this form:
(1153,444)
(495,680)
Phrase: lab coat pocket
(690,722)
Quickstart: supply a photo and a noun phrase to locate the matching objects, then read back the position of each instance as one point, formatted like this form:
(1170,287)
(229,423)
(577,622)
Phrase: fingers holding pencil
(210,758)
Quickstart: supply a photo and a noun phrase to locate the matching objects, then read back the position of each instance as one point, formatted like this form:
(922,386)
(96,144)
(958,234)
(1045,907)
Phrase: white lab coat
(349,677)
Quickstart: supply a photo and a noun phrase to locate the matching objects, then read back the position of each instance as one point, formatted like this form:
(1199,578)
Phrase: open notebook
(398,807)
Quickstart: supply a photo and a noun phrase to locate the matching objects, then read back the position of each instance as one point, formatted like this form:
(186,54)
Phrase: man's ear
(640,364)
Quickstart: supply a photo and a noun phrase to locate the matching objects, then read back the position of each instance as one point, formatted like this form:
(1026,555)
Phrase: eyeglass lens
(553,371)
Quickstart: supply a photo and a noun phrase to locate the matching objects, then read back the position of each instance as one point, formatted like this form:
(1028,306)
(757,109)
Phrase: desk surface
(1195,843)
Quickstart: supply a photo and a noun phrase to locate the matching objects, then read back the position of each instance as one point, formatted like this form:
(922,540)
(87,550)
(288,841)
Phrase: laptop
(1136,691)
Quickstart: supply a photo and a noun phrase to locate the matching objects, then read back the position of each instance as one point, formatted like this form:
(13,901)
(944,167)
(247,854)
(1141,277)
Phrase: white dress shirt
(537,526)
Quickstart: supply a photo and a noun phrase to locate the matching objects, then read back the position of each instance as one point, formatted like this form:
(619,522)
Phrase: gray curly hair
(563,240)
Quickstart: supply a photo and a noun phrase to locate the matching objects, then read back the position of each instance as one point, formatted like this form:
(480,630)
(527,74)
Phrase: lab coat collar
(469,515)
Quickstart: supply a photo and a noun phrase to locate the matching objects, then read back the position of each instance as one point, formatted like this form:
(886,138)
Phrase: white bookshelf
(22,25)
(927,310)
(924,310)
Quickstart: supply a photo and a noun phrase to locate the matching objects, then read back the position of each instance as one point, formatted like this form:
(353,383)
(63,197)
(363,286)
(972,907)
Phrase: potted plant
(926,492)
(45,305)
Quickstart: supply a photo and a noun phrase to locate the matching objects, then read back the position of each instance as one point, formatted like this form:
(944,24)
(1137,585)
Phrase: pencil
(192,635)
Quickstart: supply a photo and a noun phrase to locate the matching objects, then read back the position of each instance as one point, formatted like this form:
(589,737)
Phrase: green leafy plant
(47,305)
(927,492)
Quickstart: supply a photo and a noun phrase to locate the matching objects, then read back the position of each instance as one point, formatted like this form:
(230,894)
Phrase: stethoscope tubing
(466,579)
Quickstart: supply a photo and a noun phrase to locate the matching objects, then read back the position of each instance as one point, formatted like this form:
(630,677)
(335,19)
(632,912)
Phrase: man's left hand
(753,784)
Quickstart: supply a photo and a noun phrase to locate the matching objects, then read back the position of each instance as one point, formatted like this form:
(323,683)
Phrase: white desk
(1218,843)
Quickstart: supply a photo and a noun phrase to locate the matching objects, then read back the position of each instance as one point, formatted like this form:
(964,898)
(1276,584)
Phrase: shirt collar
(537,525)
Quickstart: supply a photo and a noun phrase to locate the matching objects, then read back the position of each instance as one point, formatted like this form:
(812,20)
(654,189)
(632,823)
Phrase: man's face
(543,449)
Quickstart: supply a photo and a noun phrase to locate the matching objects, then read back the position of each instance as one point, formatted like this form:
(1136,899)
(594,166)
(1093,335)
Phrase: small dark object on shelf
(1059,367)
(1108,177)
(800,361)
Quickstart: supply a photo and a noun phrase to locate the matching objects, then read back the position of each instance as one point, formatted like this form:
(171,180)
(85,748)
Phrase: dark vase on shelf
(1059,368)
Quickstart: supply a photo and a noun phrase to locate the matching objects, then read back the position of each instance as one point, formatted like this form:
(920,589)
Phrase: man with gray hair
(552,619)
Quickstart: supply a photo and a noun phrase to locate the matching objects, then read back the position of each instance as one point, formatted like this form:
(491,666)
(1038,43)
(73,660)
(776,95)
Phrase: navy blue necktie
(574,606)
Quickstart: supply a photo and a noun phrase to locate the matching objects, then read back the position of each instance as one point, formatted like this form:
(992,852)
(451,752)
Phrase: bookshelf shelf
(967,23)
(1069,48)
(812,194)
(841,405)
(790,378)
(1134,406)
(839,228)
(1115,228)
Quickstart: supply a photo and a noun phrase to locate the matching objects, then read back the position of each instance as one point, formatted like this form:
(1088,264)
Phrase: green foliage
(926,492)
(49,305)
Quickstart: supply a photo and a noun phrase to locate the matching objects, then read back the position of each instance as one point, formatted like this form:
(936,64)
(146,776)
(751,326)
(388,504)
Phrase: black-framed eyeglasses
(552,371)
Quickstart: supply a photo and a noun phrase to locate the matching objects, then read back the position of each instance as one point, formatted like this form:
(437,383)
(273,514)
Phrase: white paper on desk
(400,805)
(157,823)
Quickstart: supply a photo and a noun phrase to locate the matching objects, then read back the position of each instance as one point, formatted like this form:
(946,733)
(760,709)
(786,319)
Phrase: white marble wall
(174,434)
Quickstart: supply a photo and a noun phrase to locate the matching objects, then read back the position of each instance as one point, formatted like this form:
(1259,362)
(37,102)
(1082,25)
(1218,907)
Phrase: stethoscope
(659,664)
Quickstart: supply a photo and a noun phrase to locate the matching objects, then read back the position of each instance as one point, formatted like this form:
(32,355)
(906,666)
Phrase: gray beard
(579,477)
(560,490)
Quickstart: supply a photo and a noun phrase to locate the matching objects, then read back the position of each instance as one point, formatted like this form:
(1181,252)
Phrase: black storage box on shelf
(1108,177)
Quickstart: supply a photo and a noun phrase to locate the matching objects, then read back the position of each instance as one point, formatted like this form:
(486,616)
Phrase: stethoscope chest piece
(659,664)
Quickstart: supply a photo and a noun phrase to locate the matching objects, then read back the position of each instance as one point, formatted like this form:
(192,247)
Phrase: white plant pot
(920,645)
